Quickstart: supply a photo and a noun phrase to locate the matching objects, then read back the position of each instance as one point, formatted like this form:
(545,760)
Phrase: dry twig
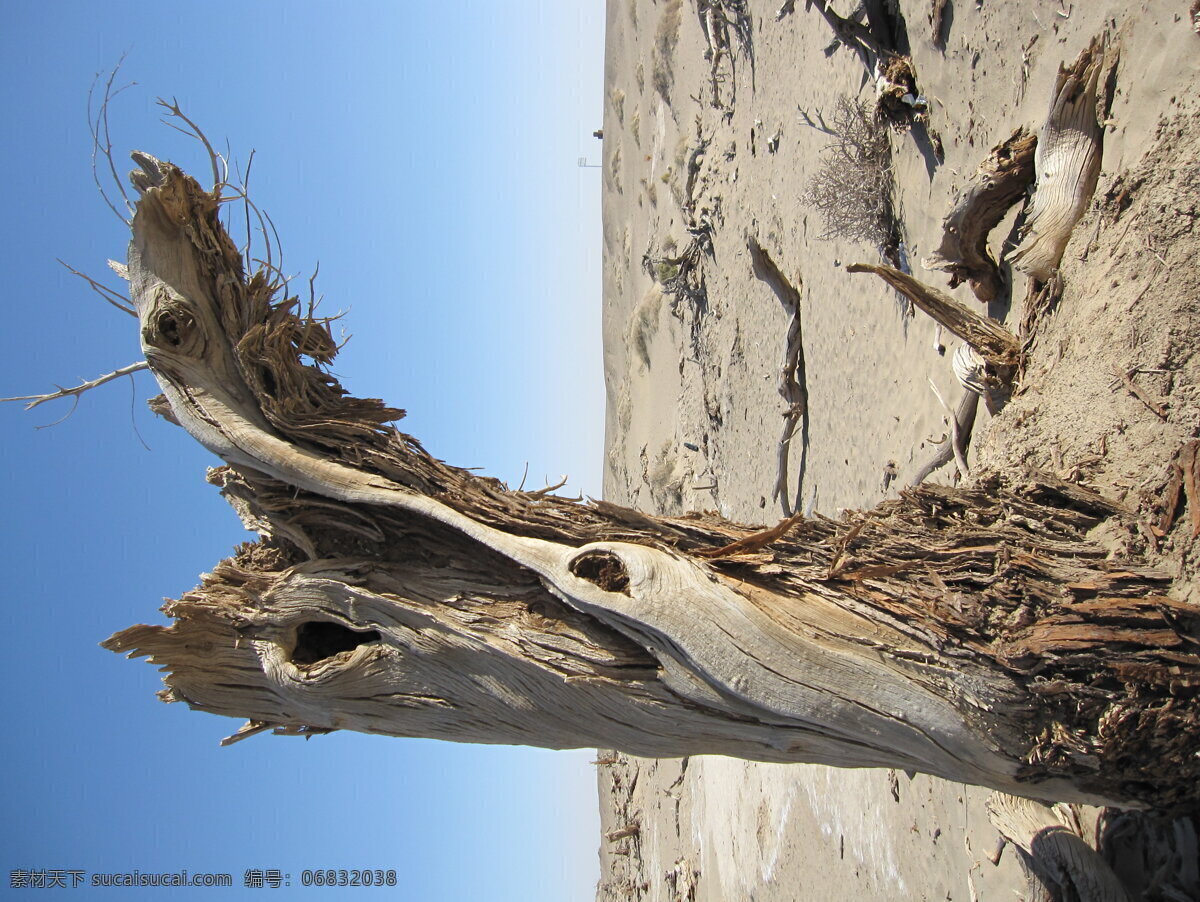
(118,300)
(35,400)
(1126,379)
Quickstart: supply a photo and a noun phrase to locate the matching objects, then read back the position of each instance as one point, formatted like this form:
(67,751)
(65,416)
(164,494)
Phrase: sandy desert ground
(695,413)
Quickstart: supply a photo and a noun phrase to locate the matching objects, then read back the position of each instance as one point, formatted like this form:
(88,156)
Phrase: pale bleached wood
(917,636)
(1066,164)
(1000,182)
(1049,837)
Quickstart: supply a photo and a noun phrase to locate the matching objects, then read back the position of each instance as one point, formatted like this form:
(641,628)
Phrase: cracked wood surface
(956,632)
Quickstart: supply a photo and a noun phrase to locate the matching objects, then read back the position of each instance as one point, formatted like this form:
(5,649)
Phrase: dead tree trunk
(973,634)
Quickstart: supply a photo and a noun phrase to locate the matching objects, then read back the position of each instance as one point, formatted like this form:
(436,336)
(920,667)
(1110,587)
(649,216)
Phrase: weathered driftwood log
(974,634)
(1049,839)
(992,341)
(1067,164)
(999,183)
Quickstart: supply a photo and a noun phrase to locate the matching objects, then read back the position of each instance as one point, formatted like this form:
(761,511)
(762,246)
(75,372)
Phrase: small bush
(614,169)
(854,188)
(645,324)
(651,194)
(617,98)
(666,36)
(664,272)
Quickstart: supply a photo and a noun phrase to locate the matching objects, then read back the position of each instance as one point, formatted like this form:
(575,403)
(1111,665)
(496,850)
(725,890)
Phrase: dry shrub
(666,36)
(644,324)
(854,189)
(617,99)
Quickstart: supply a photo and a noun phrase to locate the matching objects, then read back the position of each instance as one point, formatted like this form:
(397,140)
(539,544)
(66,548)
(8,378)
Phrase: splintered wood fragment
(245,731)
(874,571)
(1157,407)
(753,543)
(1191,488)
(1171,498)
(1040,299)
(995,344)
(1067,163)
(1000,182)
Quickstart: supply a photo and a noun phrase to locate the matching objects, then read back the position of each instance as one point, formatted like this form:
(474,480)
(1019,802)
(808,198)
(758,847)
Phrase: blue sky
(424,153)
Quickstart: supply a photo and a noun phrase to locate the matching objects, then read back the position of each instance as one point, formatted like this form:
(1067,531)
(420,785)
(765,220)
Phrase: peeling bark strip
(973,634)
(995,344)
(1000,182)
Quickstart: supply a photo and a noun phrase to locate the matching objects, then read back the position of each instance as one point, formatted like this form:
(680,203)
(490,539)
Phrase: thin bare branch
(314,301)
(35,400)
(245,180)
(173,109)
(546,490)
(98,127)
(117,299)
(278,246)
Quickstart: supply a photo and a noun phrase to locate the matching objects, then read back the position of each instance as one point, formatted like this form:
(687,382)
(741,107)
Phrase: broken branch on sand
(898,99)
(1051,842)
(995,344)
(1125,378)
(964,424)
(793,385)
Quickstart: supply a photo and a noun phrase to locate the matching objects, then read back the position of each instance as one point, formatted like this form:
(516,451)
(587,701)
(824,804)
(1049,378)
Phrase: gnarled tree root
(1050,841)
(1000,182)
